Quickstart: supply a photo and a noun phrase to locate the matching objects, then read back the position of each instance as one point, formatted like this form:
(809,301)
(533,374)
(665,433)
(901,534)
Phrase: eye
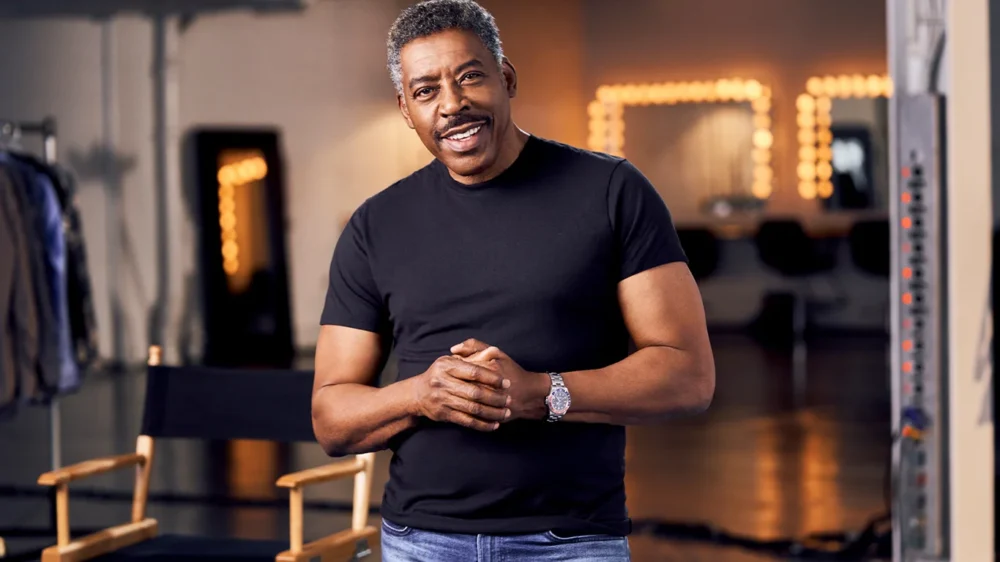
(423,92)
(475,75)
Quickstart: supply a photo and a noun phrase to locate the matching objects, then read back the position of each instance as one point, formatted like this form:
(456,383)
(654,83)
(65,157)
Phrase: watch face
(559,401)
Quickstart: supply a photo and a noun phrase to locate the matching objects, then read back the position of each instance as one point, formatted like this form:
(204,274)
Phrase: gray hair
(433,16)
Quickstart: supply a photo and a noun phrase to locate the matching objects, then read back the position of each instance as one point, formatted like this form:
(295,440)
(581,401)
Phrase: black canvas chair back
(221,404)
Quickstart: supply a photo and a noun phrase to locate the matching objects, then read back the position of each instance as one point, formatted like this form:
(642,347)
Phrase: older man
(511,274)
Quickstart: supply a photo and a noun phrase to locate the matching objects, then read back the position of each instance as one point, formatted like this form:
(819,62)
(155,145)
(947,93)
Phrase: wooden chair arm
(338,546)
(321,473)
(89,468)
(361,468)
(101,542)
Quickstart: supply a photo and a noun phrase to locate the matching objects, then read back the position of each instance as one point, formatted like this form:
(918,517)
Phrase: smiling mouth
(466,134)
(466,140)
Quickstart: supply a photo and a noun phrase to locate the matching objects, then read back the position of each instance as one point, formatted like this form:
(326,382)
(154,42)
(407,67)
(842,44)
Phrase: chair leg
(799,368)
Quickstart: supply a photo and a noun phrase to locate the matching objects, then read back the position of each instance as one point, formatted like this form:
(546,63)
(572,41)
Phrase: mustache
(460,120)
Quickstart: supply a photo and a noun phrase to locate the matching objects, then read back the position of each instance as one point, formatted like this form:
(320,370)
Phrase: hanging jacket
(48,367)
(55,268)
(79,292)
(54,240)
(19,332)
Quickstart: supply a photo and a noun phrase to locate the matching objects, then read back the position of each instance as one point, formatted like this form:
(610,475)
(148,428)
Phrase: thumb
(489,354)
(469,347)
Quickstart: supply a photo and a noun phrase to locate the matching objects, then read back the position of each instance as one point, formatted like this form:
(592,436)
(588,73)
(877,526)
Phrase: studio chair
(869,243)
(215,404)
(784,247)
(870,246)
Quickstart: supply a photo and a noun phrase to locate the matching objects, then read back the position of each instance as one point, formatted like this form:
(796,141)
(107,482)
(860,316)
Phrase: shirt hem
(509,525)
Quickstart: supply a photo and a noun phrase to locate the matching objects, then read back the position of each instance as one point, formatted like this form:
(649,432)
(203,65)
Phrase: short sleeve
(352,298)
(642,225)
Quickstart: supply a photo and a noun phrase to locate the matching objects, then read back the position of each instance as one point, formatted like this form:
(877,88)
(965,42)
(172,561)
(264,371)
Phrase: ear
(510,77)
(404,110)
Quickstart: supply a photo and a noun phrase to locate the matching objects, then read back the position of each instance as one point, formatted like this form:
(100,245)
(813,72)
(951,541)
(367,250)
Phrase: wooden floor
(760,463)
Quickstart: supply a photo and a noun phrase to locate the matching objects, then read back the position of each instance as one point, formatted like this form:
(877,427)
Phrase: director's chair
(216,404)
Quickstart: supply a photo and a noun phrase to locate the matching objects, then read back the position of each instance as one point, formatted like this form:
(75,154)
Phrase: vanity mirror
(706,146)
(843,141)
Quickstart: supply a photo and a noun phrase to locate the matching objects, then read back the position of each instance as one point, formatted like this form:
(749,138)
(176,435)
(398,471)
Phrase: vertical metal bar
(112,187)
(55,431)
(48,129)
(897,12)
(158,318)
(170,211)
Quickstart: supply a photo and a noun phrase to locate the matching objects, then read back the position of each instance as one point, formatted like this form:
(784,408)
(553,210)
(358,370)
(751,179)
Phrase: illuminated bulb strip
(815,107)
(230,177)
(607,121)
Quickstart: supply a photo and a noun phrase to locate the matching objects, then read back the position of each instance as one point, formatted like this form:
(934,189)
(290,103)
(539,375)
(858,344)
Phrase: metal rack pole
(48,130)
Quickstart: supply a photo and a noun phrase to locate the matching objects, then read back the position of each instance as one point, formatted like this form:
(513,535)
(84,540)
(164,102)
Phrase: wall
(545,42)
(970,427)
(995,108)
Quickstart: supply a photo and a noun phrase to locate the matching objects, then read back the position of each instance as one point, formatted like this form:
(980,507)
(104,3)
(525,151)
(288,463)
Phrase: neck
(510,148)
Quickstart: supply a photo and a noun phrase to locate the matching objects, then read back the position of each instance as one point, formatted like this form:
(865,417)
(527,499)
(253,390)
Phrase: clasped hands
(479,386)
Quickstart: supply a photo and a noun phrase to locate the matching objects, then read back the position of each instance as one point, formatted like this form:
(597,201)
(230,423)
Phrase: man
(511,274)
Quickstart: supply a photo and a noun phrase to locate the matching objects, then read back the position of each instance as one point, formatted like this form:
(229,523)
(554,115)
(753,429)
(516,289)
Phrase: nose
(453,100)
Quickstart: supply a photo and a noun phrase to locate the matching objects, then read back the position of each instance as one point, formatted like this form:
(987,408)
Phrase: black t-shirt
(529,262)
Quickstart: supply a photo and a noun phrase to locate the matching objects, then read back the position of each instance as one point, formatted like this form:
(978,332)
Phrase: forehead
(442,50)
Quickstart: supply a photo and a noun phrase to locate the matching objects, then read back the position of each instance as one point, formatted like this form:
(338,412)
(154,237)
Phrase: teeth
(466,134)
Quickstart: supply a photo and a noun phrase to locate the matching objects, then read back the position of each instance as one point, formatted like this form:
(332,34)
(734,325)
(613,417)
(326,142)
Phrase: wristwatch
(558,399)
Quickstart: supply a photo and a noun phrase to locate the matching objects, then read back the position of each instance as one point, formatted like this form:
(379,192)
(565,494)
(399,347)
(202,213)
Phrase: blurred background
(214,153)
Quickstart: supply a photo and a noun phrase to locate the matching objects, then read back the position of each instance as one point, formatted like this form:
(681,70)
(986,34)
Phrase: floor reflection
(252,469)
(755,464)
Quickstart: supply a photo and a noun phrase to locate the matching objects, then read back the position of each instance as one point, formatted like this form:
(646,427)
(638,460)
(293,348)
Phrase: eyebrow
(432,77)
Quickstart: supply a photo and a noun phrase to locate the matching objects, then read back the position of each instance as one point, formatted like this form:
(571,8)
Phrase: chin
(467,165)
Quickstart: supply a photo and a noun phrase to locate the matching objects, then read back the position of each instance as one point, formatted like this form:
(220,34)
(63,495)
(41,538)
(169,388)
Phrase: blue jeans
(406,544)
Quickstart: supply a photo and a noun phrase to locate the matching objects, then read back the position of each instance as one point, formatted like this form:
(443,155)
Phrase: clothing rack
(11,129)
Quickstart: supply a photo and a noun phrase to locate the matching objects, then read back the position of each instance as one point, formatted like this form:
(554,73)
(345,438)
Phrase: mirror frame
(607,115)
(815,117)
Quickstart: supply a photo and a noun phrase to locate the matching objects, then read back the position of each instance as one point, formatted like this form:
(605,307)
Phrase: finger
(478,393)
(489,354)
(461,418)
(468,347)
(476,373)
(477,409)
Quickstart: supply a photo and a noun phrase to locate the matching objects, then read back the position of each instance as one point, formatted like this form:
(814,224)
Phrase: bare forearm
(356,418)
(652,384)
